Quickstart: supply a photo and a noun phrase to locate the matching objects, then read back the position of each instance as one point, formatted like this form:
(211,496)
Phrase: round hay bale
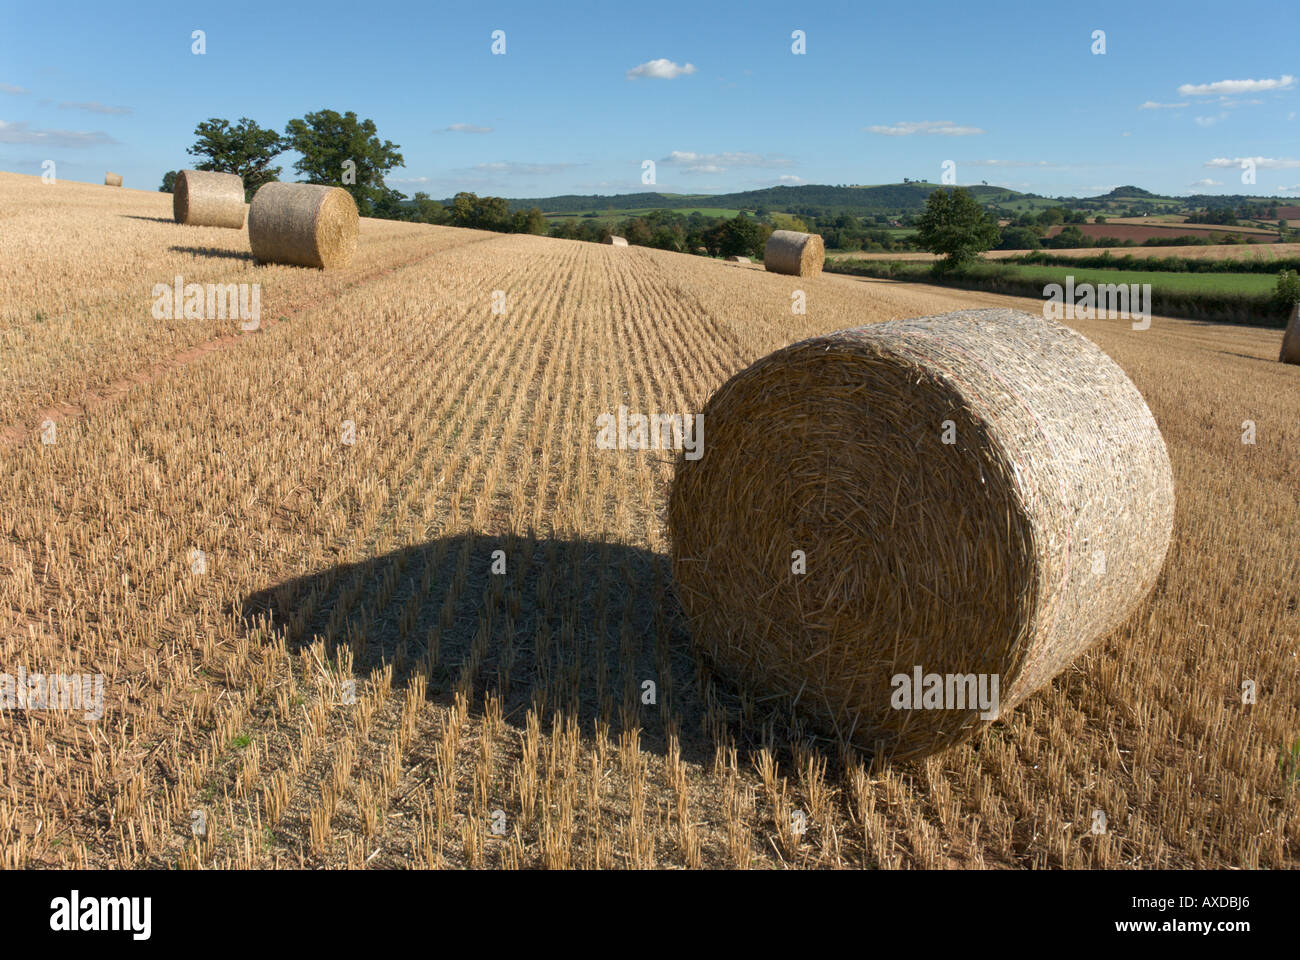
(794,253)
(702,251)
(615,241)
(1291,339)
(201,198)
(738,259)
(303,224)
(112,179)
(980,494)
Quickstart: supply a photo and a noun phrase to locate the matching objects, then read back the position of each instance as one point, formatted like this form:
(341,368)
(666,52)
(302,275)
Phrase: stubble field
(343,680)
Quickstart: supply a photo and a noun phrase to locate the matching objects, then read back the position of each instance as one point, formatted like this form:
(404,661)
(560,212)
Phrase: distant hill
(888,198)
(885,198)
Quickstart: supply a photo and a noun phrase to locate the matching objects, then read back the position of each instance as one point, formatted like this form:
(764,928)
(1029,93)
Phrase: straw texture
(798,254)
(1007,552)
(615,241)
(201,198)
(738,259)
(303,224)
(112,179)
(1291,339)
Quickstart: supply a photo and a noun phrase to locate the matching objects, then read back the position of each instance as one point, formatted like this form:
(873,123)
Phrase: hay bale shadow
(216,252)
(132,216)
(572,626)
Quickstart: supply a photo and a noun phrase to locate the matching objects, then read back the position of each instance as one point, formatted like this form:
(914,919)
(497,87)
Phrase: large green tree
(956,226)
(341,150)
(245,149)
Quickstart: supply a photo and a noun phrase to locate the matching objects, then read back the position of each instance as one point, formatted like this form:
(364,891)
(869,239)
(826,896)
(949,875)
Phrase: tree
(244,149)
(428,210)
(738,236)
(480,213)
(955,225)
(169,182)
(340,150)
(1018,238)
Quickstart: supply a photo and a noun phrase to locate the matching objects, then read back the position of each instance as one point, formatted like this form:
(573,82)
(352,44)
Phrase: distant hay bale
(738,259)
(798,254)
(702,251)
(201,198)
(112,179)
(615,241)
(977,494)
(303,224)
(1291,339)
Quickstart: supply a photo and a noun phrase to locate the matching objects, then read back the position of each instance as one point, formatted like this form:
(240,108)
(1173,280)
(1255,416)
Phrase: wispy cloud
(465,128)
(1210,121)
(661,69)
(1285,82)
(692,162)
(943,128)
(1152,105)
(1262,163)
(511,168)
(22,133)
(10,88)
(1207,182)
(94,106)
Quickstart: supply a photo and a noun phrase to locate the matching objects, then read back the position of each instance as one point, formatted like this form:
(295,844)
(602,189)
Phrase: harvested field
(278,549)
(1131,231)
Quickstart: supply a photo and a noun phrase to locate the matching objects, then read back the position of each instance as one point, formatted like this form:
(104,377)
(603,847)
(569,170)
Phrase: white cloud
(406,180)
(1152,105)
(1291,189)
(1210,121)
(94,106)
(692,162)
(945,128)
(1285,82)
(10,88)
(21,133)
(661,69)
(512,168)
(466,128)
(791,179)
(1262,163)
(1207,182)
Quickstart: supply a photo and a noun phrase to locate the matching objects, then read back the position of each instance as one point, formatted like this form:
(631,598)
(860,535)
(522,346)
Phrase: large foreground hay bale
(1291,339)
(112,179)
(615,241)
(1004,552)
(798,254)
(201,198)
(303,224)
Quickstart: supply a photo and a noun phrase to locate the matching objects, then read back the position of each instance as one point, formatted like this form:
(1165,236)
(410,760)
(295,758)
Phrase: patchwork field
(1217,251)
(277,547)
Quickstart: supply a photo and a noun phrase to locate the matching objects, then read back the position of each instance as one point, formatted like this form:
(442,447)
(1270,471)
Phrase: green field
(1251,283)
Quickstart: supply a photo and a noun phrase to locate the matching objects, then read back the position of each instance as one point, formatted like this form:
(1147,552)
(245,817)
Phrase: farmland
(1253,283)
(1219,251)
(365,646)
(1141,232)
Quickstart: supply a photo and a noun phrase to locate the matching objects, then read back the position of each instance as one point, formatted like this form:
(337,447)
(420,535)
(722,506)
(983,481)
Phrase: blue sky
(1010,92)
